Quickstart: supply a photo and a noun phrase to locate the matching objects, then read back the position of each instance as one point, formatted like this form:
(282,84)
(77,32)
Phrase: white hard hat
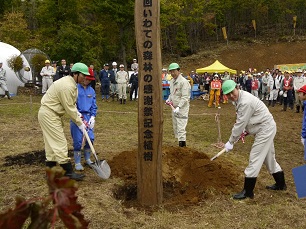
(121,66)
(114,63)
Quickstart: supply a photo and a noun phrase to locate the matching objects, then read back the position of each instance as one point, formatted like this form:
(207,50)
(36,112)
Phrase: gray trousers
(46,83)
(3,85)
(179,123)
(122,90)
(298,102)
(263,152)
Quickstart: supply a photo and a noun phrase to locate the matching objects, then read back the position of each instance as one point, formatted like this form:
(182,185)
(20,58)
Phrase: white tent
(14,79)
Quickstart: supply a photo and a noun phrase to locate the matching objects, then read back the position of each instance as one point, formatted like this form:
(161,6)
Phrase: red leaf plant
(61,203)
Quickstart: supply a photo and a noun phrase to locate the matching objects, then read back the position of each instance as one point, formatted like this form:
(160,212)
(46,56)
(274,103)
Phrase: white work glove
(176,110)
(91,122)
(303,141)
(228,146)
(82,127)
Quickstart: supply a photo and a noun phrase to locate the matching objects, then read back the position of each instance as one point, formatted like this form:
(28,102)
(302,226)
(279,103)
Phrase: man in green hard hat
(255,118)
(179,98)
(61,99)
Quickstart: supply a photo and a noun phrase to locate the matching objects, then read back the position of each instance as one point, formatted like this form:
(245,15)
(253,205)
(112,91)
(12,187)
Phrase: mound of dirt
(188,176)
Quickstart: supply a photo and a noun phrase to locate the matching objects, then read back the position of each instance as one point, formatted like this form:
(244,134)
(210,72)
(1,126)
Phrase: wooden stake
(150,106)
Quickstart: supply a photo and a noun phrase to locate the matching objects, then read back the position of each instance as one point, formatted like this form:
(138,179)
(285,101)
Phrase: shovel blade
(299,180)
(101,168)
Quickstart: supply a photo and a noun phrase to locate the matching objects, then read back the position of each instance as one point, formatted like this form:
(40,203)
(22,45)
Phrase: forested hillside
(97,31)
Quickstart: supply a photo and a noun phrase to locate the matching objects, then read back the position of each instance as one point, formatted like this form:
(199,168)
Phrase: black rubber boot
(247,192)
(284,108)
(269,103)
(297,109)
(273,103)
(182,143)
(124,101)
(120,101)
(8,94)
(50,164)
(69,172)
(280,184)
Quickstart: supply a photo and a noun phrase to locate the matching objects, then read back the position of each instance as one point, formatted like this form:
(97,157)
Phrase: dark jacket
(112,76)
(63,71)
(134,79)
(104,76)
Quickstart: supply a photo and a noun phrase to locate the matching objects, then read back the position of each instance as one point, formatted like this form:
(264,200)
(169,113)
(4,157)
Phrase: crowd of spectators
(273,86)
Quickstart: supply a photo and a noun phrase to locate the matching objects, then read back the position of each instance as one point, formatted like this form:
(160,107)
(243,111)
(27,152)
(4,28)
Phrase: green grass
(116,131)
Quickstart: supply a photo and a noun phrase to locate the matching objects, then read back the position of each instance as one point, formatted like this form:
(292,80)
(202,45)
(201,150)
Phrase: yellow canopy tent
(216,67)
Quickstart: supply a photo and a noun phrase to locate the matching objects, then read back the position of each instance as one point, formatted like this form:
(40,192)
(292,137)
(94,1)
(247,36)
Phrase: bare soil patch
(189,176)
(244,55)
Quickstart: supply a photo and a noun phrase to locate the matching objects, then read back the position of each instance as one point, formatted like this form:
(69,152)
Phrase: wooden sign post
(150,106)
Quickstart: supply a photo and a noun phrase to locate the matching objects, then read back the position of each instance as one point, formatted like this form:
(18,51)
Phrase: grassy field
(116,131)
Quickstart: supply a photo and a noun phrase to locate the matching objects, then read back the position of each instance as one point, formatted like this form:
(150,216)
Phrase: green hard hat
(228,86)
(80,67)
(173,66)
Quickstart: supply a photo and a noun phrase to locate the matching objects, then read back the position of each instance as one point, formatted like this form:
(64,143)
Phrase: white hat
(134,59)
(1,62)
(114,63)
(121,66)
(299,71)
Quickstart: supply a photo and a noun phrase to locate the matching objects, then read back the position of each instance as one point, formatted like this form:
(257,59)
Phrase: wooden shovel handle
(89,142)
(218,154)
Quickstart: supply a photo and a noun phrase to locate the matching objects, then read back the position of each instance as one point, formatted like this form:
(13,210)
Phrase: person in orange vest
(215,91)
(255,86)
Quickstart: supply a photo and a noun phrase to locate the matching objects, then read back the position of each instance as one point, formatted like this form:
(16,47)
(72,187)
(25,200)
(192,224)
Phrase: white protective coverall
(59,99)
(122,78)
(47,74)
(254,117)
(180,96)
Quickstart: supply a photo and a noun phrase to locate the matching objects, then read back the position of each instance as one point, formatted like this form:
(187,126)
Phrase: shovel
(100,167)
(242,137)
(218,154)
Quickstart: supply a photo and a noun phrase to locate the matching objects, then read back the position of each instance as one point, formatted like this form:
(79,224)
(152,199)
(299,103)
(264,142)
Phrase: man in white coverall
(254,117)
(180,98)
(3,80)
(122,78)
(59,99)
(47,73)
